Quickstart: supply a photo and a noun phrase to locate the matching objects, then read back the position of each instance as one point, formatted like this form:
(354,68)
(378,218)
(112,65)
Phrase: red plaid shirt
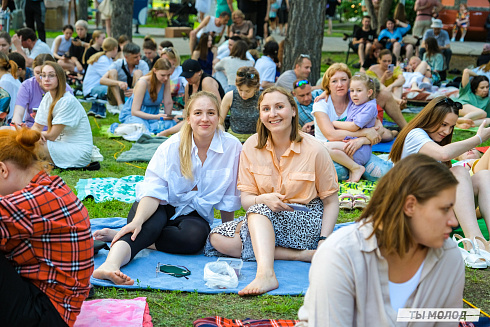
(45,233)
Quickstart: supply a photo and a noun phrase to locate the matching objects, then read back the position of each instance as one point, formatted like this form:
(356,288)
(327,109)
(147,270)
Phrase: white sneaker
(113,109)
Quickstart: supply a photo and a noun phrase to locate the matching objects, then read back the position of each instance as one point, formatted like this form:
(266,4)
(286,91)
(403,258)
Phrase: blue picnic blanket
(292,275)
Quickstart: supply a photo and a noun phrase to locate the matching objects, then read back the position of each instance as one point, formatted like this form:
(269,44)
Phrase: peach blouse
(304,172)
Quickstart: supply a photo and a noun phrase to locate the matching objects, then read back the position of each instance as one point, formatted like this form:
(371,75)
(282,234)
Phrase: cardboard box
(54,19)
(176,31)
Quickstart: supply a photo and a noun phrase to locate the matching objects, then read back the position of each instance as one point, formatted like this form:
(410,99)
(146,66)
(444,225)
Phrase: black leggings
(184,235)
(22,303)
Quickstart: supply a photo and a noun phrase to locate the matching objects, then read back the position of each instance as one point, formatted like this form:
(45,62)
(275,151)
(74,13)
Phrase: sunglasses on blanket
(450,102)
(173,270)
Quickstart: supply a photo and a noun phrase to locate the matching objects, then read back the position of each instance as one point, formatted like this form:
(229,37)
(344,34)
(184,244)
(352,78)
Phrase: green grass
(181,309)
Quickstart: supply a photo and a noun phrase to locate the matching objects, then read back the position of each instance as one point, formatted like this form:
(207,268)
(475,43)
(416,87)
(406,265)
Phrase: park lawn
(180,308)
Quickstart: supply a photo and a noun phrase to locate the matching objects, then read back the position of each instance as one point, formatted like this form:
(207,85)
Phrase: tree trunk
(378,12)
(122,18)
(82,10)
(305,34)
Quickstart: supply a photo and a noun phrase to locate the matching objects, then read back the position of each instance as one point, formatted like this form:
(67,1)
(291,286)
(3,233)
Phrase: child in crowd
(273,9)
(462,22)
(433,55)
(362,114)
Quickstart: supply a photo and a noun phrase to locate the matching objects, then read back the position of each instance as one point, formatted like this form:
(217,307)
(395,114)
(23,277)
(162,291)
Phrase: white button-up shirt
(215,180)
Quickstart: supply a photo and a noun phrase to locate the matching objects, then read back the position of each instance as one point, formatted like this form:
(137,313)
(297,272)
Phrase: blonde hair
(7,64)
(109,44)
(185,146)
(263,132)
(418,175)
(95,35)
(238,13)
(171,53)
(337,67)
(370,83)
(60,91)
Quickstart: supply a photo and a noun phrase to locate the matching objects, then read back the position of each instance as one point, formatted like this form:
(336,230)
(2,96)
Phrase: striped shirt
(45,234)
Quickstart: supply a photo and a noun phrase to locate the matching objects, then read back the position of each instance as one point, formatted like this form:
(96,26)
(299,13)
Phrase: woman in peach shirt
(280,165)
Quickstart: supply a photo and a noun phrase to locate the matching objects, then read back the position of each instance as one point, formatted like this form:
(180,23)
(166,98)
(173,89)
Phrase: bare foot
(115,276)
(105,234)
(356,174)
(260,285)
(394,133)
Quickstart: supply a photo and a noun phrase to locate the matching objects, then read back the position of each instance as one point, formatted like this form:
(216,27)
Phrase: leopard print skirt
(292,229)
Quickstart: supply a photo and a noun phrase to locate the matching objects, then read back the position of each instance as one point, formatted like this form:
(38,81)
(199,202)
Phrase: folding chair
(349,38)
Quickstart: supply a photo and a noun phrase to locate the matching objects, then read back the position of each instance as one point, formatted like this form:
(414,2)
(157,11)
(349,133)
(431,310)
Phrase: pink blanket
(114,312)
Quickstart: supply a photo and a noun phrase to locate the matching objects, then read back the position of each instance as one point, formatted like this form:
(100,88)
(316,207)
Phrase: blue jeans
(375,169)
(100,92)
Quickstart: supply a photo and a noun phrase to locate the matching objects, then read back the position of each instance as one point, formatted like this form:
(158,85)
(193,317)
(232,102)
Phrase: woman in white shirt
(9,81)
(98,65)
(230,65)
(430,133)
(397,255)
(68,139)
(190,175)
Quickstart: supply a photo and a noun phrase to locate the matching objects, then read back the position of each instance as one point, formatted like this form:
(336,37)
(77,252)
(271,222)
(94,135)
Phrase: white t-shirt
(39,47)
(267,69)
(215,180)
(11,85)
(328,108)
(211,27)
(400,292)
(94,73)
(73,148)
(414,141)
(231,65)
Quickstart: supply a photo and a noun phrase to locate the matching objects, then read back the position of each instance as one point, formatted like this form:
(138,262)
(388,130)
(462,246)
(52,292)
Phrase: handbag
(105,8)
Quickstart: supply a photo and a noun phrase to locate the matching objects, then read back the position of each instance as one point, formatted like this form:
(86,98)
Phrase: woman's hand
(372,134)
(484,132)
(323,95)
(164,116)
(352,145)
(133,227)
(386,75)
(274,202)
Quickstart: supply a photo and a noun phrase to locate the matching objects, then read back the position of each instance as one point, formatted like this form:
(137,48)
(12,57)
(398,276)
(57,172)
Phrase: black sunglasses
(450,102)
(168,50)
(247,75)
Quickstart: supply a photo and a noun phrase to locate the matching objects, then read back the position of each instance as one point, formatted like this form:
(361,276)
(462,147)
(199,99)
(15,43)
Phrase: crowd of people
(251,135)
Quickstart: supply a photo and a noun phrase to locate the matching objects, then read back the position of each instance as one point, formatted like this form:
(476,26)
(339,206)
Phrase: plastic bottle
(160,125)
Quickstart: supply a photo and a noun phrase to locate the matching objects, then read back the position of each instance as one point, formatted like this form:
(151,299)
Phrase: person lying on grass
(190,175)
(397,255)
(279,166)
(46,243)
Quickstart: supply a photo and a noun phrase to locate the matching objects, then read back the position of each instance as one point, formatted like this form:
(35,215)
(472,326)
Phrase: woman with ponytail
(96,44)
(9,81)
(190,175)
(98,65)
(68,139)
(143,107)
(41,284)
